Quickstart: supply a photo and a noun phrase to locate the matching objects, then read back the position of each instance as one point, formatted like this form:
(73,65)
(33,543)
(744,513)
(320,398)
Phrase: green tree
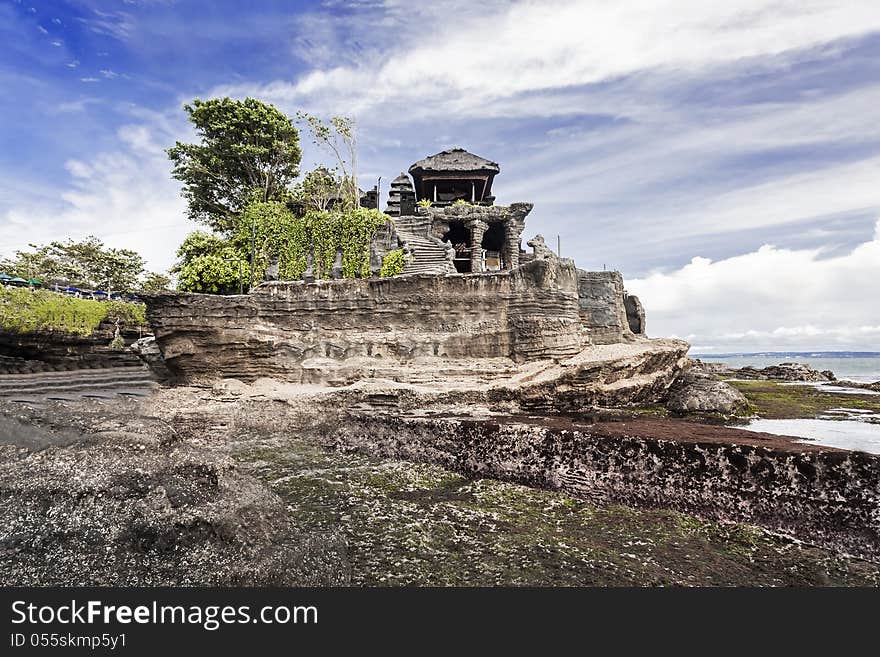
(246,147)
(155,282)
(318,189)
(209,264)
(35,263)
(87,263)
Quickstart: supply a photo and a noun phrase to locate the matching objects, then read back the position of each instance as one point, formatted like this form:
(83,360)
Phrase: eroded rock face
(545,309)
(635,314)
(826,497)
(40,351)
(148,351)
(781,372)
(698,392)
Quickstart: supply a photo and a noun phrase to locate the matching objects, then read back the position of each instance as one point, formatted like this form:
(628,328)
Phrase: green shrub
(393,263)
(424,203)
(24,310)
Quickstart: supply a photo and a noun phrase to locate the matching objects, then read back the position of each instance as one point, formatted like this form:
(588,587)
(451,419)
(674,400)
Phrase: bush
(24,310)
(393,263)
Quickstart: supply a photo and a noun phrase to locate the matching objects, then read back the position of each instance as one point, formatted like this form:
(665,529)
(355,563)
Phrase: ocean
(862,367)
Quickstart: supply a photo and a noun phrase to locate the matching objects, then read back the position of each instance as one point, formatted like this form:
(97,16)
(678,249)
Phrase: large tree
(87,263)
(246,148)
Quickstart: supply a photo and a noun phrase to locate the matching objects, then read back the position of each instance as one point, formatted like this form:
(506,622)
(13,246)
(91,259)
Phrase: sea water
(860,367)
(845,428)
(845,434)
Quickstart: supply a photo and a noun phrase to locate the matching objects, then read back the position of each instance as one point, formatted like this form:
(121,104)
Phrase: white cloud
(769,299)
(125,197)
(540,46)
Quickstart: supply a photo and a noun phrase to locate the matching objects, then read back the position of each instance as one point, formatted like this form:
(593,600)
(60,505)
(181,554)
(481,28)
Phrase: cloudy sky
(724,156)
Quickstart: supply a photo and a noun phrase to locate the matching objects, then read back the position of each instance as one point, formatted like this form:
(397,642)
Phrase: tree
(246,147)
(318,189)
(209,264)
(339,137)
(36,263)
(155,282)
(87,264)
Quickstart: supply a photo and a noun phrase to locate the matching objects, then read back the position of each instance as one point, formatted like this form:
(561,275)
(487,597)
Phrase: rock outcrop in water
(781,372)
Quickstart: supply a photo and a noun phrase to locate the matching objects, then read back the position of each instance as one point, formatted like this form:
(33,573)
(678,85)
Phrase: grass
(772,400)
(23,310)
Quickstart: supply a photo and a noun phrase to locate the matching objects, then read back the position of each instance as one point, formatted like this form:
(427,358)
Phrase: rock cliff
(540,327)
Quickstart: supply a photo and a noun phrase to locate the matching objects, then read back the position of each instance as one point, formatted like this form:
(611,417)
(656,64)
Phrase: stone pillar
(478,229)
(512,236)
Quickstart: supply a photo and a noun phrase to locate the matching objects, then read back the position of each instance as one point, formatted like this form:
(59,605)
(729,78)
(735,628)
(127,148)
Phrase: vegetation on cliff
(237,180)
(23,310)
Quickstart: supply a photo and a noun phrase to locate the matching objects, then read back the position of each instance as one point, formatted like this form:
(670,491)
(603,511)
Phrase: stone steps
(429,257)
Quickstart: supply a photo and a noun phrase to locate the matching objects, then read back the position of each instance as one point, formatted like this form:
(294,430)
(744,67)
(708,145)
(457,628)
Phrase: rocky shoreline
(277,484)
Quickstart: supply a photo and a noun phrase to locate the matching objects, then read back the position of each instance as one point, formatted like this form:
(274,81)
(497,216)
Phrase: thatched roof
(455,159)
(401,181)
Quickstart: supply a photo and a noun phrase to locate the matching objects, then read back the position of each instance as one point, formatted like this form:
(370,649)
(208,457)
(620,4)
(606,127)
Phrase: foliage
(87,264)
(461,201)
(424,203)
(274,237)
(127,314)
(155,282)
(318,189)
(284,238)
(393,263)
(245,147)
(210,264)
(25,310)
(339,137)
(117,343)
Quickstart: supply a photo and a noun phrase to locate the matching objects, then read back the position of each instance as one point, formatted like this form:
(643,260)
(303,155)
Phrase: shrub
(393,263)
(24,310)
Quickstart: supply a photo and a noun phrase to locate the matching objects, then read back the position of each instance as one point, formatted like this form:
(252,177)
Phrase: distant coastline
(860,366)
(791,354)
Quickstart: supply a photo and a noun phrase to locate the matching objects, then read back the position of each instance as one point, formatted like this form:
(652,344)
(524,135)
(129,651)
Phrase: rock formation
(695,391)
(537,328)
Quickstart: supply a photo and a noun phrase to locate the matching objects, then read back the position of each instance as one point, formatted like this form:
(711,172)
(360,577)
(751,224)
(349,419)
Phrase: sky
(724,158)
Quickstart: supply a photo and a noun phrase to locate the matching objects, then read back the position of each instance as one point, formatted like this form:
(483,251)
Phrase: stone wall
(829,498)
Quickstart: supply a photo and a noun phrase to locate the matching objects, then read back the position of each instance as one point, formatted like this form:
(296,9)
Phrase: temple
(447,220)
(454,175)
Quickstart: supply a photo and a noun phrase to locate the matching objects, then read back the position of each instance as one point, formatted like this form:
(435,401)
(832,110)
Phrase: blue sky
(725,159)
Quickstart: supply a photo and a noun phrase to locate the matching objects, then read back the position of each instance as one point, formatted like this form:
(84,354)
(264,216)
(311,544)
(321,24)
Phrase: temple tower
(401,198)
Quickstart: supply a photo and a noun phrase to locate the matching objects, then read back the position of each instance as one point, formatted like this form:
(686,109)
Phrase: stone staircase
(429,256)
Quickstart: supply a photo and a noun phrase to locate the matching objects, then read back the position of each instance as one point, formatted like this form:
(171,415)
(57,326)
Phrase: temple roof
(402,179)
(455,159)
